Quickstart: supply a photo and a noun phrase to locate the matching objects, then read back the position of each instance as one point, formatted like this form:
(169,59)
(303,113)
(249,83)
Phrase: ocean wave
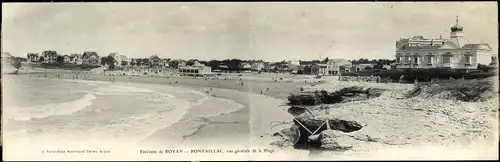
(89,82)
(201,100)
(44,111)
(119,88)
(135,128)
(213,106)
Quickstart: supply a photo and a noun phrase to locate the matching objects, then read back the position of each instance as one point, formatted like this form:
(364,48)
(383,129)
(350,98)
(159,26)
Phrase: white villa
(122,60)
(246,65)
(33,57)
(453,53)
(334,67)
(76,59)
(67,59)
(257,66)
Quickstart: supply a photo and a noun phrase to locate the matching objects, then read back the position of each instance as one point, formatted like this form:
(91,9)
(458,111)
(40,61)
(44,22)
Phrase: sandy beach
(250,126)
(246,128)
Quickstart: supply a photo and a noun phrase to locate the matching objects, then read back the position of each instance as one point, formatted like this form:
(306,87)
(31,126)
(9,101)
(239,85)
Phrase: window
(429,59)
(446,59)
(398,59)
(467,59)
(415,59)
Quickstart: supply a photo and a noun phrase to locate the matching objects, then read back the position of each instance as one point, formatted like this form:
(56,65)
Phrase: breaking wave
(44,111)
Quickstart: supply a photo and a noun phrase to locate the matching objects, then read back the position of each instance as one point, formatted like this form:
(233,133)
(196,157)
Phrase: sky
(267,31)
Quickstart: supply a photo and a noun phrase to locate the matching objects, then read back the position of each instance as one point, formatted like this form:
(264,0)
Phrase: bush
(422,75)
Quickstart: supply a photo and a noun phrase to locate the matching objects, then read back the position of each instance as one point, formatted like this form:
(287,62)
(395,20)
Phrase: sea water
(41,111)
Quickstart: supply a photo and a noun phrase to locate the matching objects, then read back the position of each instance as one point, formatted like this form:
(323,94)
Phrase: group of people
(376,79)
(81,75)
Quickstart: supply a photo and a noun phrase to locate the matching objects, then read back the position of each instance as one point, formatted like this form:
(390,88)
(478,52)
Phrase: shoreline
(237,121)
(256,111)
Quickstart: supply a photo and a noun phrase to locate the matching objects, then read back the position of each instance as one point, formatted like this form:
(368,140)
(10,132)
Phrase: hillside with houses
(116,61)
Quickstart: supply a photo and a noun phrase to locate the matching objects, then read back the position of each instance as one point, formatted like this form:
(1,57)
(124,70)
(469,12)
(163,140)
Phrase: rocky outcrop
(348,94)
(468,91)
(309,128)
(309,98)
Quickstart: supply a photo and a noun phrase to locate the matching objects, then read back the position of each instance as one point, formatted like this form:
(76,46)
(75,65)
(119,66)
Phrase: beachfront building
(76,59)
(322,69)
(195,70)
(337,66)
(245,65)
(91,58)
(361,67)
(33,57)
(258,66)
(122,60)
(165,63)
(293,62)
(49,57)
(453,53)
(310,69)
(177,63)
(66,59)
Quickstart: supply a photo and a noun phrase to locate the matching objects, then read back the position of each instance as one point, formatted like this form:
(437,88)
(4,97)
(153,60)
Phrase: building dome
(457,27)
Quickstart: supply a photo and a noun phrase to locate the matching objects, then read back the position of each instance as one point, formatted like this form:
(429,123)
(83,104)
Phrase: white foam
(44,111)
(118,88)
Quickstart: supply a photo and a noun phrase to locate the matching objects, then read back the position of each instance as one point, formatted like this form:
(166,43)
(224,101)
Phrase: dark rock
(294,110)
(304,99)
(344,95)
(317,124)
(314,141)
(336,140)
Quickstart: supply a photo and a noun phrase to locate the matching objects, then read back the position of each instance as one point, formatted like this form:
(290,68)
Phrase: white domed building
(453,53)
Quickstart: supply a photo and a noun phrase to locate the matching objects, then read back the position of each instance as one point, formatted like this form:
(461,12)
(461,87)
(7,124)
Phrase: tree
(145,62)
(104,61)
(138,62)
(214,64)
(174,63)
(325,60)
(60,60)
(191,62)
(234,64)
(111,62)
(132,62)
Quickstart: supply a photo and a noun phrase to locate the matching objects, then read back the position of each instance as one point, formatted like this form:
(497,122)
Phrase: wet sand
(236,128)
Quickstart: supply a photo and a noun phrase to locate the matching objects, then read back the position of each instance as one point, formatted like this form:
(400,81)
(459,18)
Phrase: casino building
(453,53)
